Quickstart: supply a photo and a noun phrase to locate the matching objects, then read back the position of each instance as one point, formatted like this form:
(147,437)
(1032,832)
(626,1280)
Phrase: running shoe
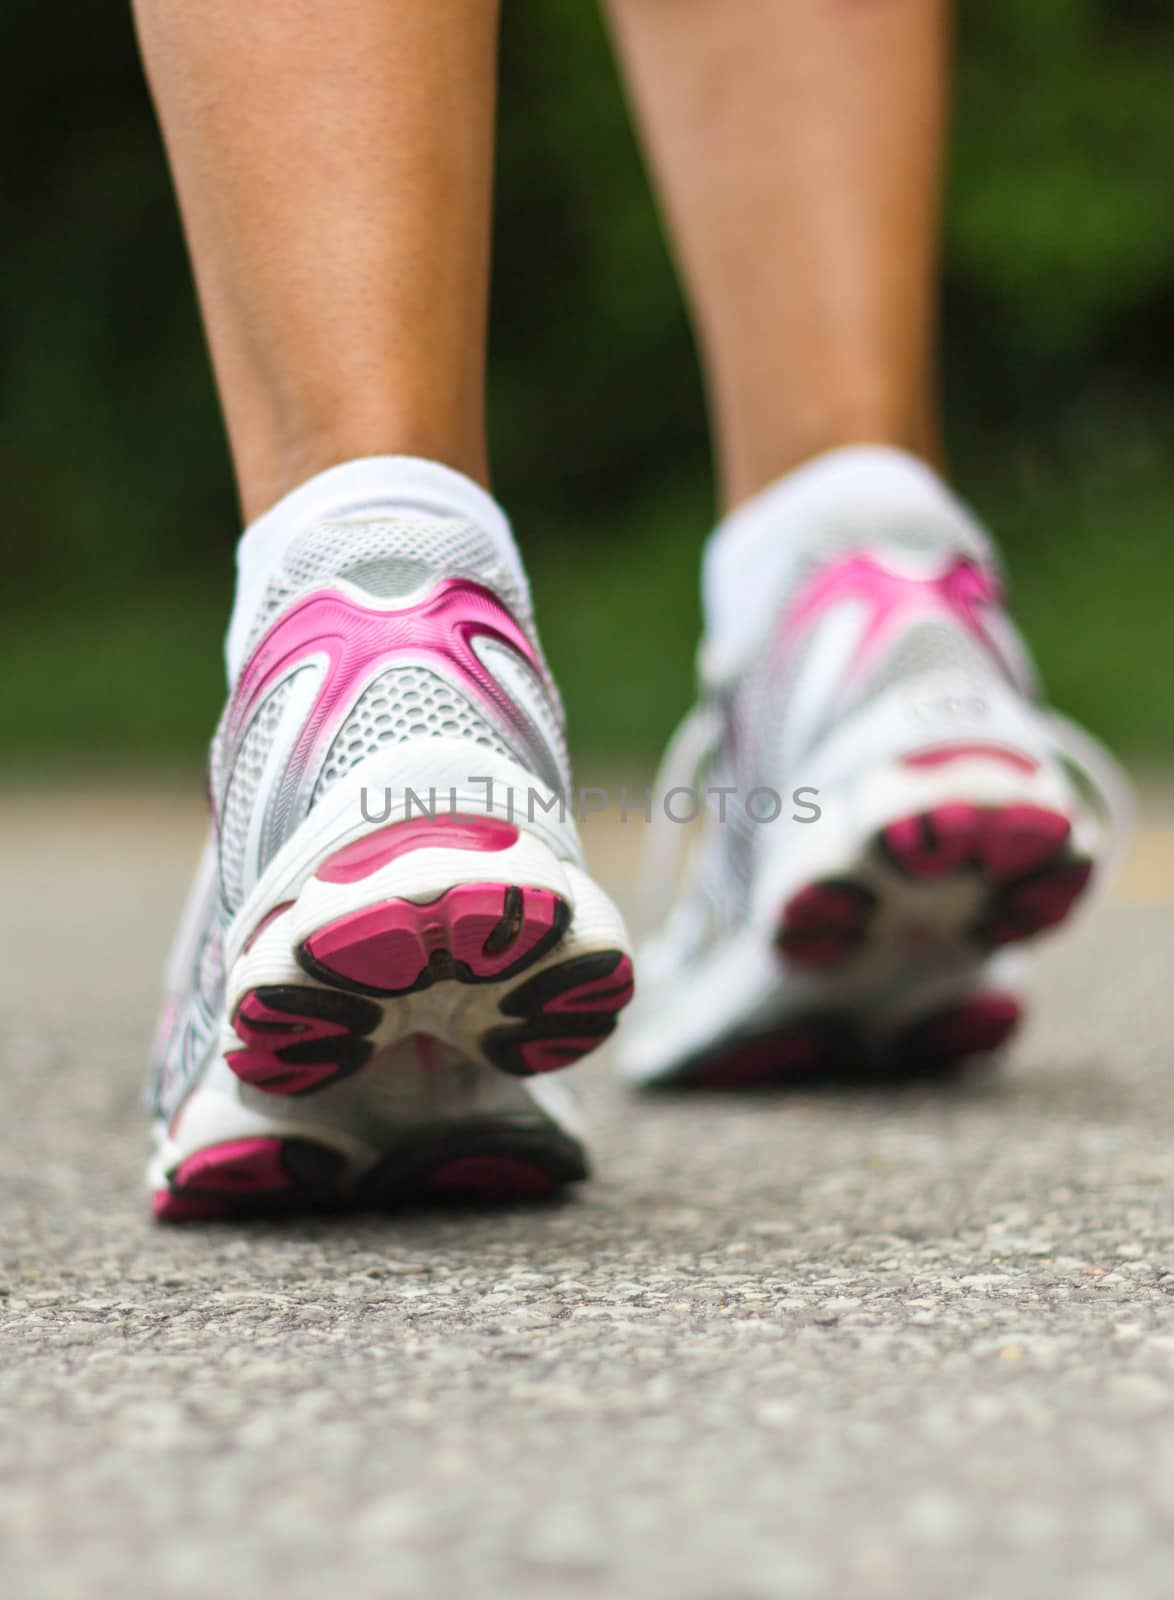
(391,940)
(891,810)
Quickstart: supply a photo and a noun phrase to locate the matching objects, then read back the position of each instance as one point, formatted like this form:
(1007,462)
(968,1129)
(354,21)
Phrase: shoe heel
(474,932)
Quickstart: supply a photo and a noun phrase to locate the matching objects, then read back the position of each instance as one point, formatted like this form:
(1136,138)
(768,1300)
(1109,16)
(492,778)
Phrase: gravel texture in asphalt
(912,1344)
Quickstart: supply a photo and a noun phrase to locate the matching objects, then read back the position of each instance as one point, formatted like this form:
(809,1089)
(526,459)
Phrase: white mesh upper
(402,704)
(937,646)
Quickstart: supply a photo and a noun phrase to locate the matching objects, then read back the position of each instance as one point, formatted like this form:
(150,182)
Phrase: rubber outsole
(565,1013)
(1016,867)
(475,933)
(297,1040)
(835,1048)
(475,1164)
(249,1175)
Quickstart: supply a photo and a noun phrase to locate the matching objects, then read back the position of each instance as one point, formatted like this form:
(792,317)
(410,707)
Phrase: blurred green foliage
(1059,348)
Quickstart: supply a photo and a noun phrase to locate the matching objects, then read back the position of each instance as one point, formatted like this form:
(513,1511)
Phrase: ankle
(754,457)
(270,465)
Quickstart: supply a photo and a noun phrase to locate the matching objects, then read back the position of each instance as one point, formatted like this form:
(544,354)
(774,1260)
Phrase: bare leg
(798,146)
(334,165)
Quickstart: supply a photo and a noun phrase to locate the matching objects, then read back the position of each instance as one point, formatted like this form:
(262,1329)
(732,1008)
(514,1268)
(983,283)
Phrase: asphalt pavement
(913,1344)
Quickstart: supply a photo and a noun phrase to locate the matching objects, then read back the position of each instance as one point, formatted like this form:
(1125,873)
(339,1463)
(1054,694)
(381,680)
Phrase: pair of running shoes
(393,944)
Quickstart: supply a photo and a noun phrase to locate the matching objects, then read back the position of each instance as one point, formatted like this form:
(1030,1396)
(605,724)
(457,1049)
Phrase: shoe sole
(526,969)
(836,1048)
(475,1163)
(958,876)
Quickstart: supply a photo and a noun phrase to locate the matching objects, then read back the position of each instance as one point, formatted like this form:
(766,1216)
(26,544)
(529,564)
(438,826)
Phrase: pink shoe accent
(975,1028)
(265,1071)
(755,1063)
(488,929)
(942,755)
(357,642)
(1005,841)
(938,842)
(244,1166)
(963,592)
(359,860)
(611,993)
(1039,903)
(270,1034)
(556,1052)
(492,1180)
(242,1176)
(1021,838)
(203,1186)
(978,1027)
(825,923)
(561,1013)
